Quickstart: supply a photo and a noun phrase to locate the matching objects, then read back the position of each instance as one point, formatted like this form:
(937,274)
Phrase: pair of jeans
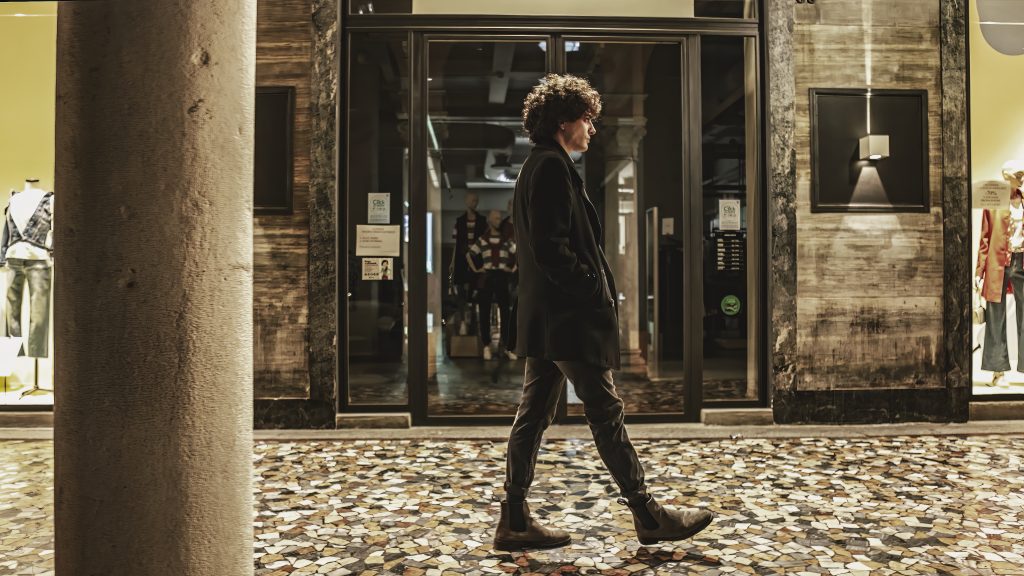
(495,289)
(543,383)
(995,356)
(37,274)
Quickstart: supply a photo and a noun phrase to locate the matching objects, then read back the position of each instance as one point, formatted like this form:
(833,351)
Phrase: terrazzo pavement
(862,506)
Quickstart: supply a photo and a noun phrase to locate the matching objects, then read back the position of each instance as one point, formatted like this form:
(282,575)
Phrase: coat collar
(549,144)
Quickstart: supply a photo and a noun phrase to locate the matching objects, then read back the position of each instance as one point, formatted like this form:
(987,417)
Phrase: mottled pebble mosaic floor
(921,505)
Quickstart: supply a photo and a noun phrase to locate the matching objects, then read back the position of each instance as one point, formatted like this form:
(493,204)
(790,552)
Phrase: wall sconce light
(874,147)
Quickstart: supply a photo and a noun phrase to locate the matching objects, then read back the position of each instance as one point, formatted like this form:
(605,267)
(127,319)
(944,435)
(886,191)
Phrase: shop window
(997,173)
(28,29)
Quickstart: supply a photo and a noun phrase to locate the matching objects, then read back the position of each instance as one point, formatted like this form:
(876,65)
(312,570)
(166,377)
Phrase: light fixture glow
(874,147)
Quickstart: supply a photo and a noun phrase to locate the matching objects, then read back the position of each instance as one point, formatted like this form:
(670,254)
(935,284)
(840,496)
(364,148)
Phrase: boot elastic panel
(516,517)
(642,512)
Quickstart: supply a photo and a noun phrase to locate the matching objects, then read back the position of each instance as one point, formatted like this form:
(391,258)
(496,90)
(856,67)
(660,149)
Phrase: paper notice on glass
(378,268)
(729,214)
(668,226)
(378,207)
(378,240)
(991,194)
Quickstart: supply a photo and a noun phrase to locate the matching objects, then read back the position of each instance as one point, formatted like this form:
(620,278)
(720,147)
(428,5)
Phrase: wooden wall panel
(284,38)
(869,286)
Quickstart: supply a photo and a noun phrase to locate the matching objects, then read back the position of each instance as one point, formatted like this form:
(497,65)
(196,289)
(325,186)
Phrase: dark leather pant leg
(542,385)
(606,416)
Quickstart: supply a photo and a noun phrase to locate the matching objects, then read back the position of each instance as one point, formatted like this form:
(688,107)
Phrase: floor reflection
(472,387)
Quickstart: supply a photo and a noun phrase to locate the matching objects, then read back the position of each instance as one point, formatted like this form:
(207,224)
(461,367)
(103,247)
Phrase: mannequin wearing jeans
(25,250)
(35,273)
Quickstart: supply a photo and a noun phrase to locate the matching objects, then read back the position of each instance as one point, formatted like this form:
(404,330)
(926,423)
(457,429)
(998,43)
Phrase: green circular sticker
(731,305)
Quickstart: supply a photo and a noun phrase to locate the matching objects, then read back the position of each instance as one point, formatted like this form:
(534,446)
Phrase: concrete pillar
(153,287)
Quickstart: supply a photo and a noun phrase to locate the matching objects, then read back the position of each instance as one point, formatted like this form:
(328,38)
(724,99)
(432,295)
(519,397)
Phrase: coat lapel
(581,191)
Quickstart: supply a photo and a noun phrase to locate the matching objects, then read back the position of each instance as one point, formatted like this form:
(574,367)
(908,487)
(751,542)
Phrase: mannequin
(999,272)
(493,259)
(26,251)
(469,227)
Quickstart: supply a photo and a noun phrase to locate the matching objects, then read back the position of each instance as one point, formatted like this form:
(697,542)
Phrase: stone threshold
(636,431)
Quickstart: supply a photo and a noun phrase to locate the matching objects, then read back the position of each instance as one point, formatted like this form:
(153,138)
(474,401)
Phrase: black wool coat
(566,309)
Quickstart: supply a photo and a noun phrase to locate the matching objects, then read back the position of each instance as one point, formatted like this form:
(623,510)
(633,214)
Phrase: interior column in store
(153,310)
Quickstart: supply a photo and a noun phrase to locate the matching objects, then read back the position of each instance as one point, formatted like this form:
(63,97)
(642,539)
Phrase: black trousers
(995,356)
(495,289)
(542,385)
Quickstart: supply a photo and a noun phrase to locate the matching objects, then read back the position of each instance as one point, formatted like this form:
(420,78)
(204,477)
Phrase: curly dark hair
(558,98)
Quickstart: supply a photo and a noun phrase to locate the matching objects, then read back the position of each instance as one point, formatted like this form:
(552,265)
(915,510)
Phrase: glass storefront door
(672,170)
(474,151)
(635,169)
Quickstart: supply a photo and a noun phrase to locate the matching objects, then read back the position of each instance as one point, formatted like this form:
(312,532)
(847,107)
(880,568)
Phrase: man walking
(567,322)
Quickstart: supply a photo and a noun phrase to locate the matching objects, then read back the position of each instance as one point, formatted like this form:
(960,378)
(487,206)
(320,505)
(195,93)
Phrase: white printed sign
(378,208)
(378,240)
(729,215)
(991,194)
(668,226)
(378,268)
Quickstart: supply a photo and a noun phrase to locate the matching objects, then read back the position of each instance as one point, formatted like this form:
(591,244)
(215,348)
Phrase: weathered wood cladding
(281,243)
(869,286)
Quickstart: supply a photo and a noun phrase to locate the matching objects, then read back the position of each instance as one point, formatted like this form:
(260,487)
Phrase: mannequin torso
(21,208)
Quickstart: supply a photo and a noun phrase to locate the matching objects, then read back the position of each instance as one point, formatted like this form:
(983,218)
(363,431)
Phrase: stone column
(153,287)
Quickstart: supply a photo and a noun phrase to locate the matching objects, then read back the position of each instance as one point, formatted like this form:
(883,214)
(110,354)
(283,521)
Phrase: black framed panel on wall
(869,150)
(273,157)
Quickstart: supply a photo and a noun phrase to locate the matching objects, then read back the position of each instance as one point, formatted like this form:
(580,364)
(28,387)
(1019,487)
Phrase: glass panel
(997,222)
(475,150)
(378,151)
(633,172)
(730,230)
(26,182)
(635,9)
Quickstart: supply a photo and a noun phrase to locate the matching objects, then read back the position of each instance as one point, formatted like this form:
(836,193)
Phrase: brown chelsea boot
(517,530)
(655,524)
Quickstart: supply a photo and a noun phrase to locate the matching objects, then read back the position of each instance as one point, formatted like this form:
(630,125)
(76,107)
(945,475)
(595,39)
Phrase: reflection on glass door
(633,173)
(475,148)
(378,151)
(730,226)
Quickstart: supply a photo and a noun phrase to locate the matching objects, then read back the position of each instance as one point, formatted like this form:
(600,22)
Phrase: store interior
(997,170)
(27,107)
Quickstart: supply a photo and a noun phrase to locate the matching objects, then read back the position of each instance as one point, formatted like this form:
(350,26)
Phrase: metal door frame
(419,32)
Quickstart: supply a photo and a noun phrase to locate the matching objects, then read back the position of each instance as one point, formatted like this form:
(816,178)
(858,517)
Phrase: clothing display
(495,255)
(465,233)
(25,249)
(1016,232)
(993,253)
(1000,271)
(494,251)
(36,273)
(28,238)
(995,354)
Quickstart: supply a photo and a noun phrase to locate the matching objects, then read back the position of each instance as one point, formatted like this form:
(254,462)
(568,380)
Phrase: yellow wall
(997,106)
(28,73)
